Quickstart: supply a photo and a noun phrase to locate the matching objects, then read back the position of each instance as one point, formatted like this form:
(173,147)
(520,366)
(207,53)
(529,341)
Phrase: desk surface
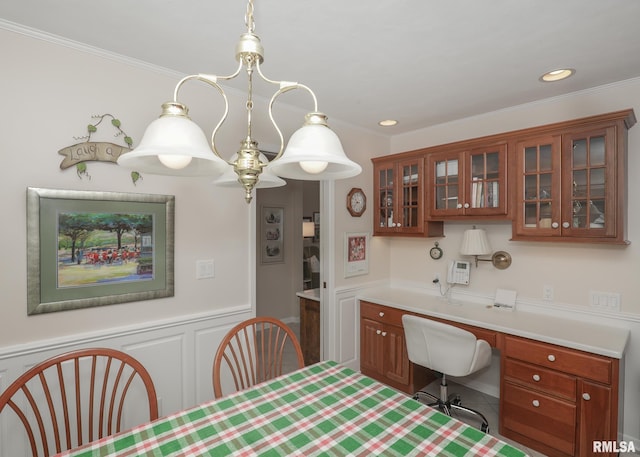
(584,336)
(324,409)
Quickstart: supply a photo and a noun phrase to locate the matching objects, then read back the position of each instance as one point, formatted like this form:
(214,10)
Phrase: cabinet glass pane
(530,159)
(596,151)
(579,153)
(446,184)
(386,207)
(597,182)
(580,183)
(546,157)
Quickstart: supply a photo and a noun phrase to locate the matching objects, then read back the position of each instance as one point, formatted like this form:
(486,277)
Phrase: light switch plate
(205,269)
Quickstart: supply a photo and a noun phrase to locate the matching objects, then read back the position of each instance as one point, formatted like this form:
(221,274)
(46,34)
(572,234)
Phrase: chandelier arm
(212,81)
(286,86)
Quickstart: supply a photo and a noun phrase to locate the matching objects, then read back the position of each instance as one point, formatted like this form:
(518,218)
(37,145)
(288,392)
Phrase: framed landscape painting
(97,248)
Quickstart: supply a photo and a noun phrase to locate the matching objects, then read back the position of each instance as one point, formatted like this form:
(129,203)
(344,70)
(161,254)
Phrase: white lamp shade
(266,179)
(314,143)
(308,229)
(475,242)
(176,136)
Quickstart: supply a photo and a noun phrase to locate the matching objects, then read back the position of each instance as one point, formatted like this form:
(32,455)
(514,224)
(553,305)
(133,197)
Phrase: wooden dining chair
(78,397)
(254,351)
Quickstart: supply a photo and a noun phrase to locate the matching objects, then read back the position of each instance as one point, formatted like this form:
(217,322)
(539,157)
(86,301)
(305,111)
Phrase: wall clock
(356,202)
(436,251)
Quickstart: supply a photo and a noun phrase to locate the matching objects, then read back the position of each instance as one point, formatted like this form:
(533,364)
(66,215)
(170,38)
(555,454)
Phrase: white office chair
(447,350)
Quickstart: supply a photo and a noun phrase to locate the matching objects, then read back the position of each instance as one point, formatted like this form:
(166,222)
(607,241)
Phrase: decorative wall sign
(97,248)
(80,153)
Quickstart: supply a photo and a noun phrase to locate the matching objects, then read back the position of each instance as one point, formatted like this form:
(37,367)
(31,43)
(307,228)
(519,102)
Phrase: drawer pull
(586,396)
(551,358)
(381,314)
(378,332)
(384,333)
(536,377)
(535,403)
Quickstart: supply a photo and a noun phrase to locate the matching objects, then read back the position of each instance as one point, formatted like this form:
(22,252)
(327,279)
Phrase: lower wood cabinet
(310,330)
(383,351)
(553,399)
(557,400)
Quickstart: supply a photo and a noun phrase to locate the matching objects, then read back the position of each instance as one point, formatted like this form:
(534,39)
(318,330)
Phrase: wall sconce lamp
(476,243)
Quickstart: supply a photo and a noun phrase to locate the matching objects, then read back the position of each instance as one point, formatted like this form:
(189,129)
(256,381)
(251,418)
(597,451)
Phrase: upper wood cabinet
(467,183)
(570,185)
(399,198)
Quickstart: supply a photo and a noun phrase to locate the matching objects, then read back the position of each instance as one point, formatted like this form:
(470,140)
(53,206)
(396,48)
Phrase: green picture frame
(87,249)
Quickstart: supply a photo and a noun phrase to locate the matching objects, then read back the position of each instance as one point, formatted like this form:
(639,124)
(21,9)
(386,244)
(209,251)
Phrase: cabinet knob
(381,314)
(459,205)
(535,403)
(384,333)
(586,396)
(554,225)
(566,225)
(466,205)
(551,358)
(378,332)
(536,377)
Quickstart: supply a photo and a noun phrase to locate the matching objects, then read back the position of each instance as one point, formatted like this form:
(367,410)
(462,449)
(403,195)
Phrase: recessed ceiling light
(388,123)
(557,75)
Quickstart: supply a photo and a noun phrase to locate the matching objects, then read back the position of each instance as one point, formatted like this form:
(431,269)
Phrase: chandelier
(175,145)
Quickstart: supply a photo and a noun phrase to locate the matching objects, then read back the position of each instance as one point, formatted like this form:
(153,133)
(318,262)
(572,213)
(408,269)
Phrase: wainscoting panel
(177,353)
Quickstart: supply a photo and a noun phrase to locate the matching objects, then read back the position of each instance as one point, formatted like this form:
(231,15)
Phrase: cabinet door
(410,209)
(595,417)
(589,177)
(384,197)
(485,186)
(538,187)
(396,360)
(444,181)
(371,348)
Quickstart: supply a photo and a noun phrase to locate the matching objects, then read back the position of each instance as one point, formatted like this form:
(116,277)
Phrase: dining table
(325,409)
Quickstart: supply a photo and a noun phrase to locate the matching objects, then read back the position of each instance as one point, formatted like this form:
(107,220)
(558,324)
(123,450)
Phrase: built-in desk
(560,381)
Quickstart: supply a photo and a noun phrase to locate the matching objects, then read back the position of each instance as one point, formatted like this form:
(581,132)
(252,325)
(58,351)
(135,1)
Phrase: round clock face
(356,202)
(435,252)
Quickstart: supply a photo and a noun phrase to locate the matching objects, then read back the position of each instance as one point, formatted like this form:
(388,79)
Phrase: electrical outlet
(609,301)
(547,292)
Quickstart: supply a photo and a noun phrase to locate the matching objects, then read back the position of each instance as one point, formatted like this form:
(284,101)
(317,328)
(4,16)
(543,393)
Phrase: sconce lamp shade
(267,178)
(475,242)
(174,145)
(308,229)
(314,153)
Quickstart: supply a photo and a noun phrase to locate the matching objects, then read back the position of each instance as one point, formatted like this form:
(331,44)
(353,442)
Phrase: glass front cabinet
(399,198)
(571,185)
(468,183)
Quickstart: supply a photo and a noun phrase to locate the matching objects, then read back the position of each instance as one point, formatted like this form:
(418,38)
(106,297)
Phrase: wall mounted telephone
(459,272)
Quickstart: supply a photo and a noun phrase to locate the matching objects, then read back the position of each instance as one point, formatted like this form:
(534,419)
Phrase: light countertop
(586,336)
(311,294)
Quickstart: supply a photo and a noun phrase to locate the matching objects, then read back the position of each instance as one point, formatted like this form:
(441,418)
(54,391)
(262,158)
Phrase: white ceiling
(422,62)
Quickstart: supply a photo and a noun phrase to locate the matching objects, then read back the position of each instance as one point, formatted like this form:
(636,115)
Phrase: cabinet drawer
(382,314)
(552,382)
(539,417)
(570,361)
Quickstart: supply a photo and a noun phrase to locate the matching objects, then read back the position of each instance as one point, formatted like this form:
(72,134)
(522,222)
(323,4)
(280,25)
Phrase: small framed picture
(272,235)
(356,254)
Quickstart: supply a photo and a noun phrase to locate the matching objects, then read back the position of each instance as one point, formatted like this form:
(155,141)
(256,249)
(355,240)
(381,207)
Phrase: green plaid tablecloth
(322,410)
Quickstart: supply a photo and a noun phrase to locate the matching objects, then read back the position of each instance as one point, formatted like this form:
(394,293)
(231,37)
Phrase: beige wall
(51,90)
